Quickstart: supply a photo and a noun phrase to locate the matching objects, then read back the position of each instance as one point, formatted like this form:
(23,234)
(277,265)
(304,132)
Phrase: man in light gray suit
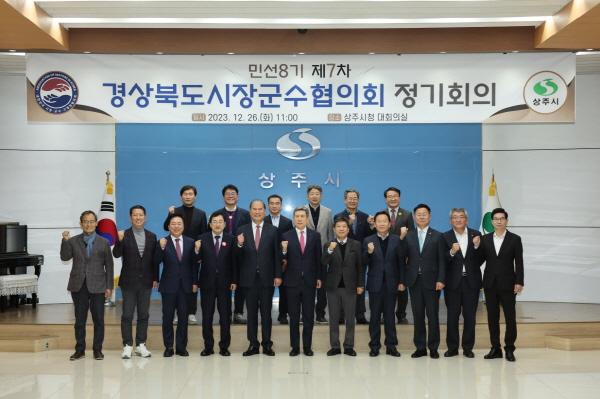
(320,219)
(344,279)
(90,281)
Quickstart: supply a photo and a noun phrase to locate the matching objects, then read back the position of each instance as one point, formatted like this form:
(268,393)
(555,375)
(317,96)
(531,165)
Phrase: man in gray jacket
(90,281)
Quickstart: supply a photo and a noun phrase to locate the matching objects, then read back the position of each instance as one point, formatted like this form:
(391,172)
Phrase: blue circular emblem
(56,92)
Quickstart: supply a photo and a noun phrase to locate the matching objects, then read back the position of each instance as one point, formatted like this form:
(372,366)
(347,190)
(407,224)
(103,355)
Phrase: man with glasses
(502,282)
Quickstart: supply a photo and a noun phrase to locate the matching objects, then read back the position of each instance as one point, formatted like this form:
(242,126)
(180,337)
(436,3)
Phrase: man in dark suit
(90,281)
(234,218)
(320,220)
(283,224)
(401,223)
(194,221)
(463,282)
(344,279)
(384,253)
(359,229)
(216,281)
(301,248)
(503,279)
(259,269)
(425,277)
(179,256)
(139,272)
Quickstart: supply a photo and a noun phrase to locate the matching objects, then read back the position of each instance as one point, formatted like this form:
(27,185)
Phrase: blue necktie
(421,240)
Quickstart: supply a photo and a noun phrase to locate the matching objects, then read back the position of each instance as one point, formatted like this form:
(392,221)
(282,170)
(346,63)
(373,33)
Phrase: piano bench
(18,284)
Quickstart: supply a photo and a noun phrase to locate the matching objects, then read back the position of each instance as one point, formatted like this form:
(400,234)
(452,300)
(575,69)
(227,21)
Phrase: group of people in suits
(317,261)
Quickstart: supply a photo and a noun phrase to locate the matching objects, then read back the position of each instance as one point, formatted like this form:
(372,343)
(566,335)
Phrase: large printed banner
(440,88)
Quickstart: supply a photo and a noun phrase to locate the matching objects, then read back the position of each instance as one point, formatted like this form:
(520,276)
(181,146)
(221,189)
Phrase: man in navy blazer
(425,277)
(216,281)
(178,279)
(259,270)
(384,253)
(463,282)
(234,218)
(194,222)
(283,224)
(359,229)
(503,279)
(301,248)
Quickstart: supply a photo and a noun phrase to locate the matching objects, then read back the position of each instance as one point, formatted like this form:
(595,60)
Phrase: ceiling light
(301,53)
(371,53)
(159,53)
(87,52)
(230,53)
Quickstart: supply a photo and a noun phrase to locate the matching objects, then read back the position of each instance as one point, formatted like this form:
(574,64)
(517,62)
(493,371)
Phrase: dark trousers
(360,307)
(382,303)
(321,302)
(193,303)
(239,297)
(463,299)
(171,303)
(221,297)
(338,300)
(425,301)
(259,298)
(402,304)
(301,299)
(83,301)
(135,298)
(493,299)
(283,303)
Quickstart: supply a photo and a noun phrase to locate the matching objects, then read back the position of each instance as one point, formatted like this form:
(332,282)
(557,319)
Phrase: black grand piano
(14,256)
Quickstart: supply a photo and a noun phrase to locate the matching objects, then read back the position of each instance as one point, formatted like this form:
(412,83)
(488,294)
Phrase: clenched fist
(284,246)
(370,248)
(66,235)
(163,243)
(332,245)
(455,248)
(121,235)
(476,241)
(197,245)
(403,232)
(240,239)
(171,209)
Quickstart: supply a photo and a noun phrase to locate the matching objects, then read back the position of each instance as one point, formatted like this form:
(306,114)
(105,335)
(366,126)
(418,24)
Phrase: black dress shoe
(349,352)
(308,352)
(373,353)
(77,355)
(334,351)
(168,352)
(402,320)
(419,353)
(268,351)
(283,320)
(451,353)
(295,352)
(494,353)
(321,319)
(224,352)
(98,355)
(207,352)
(434,354)
(252,350)
(468,353)
(392,351)
(362,320)
(510,356)
(342,321)
(182,352)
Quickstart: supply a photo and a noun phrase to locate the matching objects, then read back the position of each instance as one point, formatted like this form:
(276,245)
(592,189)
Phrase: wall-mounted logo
(299,144)
(545,92)
(56,92)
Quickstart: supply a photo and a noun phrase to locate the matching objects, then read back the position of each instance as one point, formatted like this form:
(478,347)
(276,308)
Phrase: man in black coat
(139,274)
(463,282)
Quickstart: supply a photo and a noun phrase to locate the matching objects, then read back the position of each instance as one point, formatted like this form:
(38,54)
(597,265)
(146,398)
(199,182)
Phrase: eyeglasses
(499,219)
(88,222)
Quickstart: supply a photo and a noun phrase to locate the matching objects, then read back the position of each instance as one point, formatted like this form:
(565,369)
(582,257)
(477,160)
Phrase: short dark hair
(214,215)
(138,206)
(499,210)
(314,187)
(275,196)
(341,219)
(85,213)
(229,187)
(422,206)
(185,188)
(173,216)
(351,190)
(391,189)
(387,215)
(300,209)
(257,200)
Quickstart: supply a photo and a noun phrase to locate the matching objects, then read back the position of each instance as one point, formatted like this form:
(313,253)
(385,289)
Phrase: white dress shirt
(498,240)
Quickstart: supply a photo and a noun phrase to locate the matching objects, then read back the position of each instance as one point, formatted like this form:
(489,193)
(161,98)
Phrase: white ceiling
(285,14)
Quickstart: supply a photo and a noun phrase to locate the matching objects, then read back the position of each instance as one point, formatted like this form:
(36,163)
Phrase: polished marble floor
(537,373)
